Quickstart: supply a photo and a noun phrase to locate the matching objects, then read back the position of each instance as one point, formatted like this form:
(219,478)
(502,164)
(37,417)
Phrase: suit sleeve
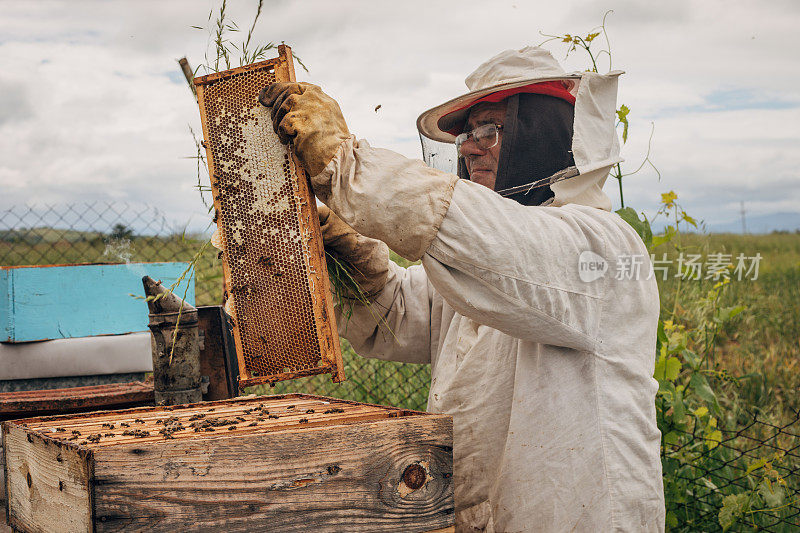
(512,267)
(397,324)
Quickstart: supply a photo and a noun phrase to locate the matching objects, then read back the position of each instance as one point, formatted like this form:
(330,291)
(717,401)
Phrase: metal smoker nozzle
(167,303)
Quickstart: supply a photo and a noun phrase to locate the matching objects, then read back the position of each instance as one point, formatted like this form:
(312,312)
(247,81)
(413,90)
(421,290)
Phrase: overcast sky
(94,107)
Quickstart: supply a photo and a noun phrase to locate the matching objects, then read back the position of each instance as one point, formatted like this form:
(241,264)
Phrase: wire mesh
(120,232)
(749,481)
(703,483)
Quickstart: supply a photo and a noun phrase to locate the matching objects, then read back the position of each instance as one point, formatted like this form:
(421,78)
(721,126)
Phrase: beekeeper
(539,350)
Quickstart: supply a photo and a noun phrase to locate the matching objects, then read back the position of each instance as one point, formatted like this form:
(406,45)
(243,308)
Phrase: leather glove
(308,117)
(367,258)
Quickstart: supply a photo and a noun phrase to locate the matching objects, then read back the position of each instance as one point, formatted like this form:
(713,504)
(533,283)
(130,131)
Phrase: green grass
(761,346)
(754,367)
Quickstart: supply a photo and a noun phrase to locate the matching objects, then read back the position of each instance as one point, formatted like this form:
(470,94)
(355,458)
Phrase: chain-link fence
(747,482)
(118,232)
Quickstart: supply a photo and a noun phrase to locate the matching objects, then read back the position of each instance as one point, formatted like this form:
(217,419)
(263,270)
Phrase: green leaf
(641,226)
(755,465)
(713,438)
(733,506)
(661,336)
(678,408)
(667,389)
(672,520)
(724,314)
(672,368)
(672,438)
(622,115)
(699,385)
(660,372)
(773,494)
(688,219)
(690,357)
(667,236)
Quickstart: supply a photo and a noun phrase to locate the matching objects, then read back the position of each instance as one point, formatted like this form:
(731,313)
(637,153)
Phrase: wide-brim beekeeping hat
(532,69)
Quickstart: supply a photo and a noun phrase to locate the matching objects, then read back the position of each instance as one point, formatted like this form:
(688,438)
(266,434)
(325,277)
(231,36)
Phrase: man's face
(482,164)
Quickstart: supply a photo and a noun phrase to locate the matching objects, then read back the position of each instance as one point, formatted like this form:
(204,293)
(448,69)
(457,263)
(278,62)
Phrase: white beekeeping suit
(548,376)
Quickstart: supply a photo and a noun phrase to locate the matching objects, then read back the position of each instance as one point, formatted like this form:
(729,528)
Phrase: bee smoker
(175,343)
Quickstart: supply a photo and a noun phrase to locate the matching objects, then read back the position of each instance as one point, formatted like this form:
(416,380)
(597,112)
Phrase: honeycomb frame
(276,286)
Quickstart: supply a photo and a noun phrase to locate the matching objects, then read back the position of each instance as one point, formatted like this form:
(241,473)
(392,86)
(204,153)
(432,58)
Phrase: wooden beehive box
(276,281)
(44,302)
(272,463)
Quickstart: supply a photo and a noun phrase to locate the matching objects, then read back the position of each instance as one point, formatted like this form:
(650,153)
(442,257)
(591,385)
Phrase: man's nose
(471,149)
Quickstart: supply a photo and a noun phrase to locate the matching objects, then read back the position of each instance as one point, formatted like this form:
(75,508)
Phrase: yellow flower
(668,198)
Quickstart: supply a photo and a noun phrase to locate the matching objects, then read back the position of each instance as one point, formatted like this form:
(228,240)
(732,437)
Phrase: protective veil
(537,142)
(547,373)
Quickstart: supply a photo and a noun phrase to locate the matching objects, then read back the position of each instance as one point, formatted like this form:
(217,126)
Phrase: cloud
(94,105)
(14,104)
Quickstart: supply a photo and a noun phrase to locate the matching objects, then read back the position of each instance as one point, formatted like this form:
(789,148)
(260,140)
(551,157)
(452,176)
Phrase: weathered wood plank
(73,399)
(48,484)
(281,463)
(217,354)
(339,478)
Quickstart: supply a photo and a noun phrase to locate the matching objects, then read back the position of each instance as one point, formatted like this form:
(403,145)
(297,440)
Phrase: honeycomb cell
(274,269)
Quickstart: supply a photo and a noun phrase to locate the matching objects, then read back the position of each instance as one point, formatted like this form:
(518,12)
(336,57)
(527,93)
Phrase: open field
(754,365)
(762,344)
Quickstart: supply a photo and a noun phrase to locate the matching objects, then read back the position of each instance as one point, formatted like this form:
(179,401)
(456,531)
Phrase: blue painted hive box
(65,301)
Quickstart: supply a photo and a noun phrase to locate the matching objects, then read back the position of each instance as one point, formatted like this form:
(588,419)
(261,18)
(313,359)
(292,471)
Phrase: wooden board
(278,463)
(59,401)
(85,300)
(69,400)
(47,484)
(217,354)
(276,282)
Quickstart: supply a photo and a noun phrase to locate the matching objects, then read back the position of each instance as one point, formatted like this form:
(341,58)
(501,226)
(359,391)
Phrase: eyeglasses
(486,136)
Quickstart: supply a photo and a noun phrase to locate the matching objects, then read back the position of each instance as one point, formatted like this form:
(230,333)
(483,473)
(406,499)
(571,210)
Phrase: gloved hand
(368,258)
(302,113)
